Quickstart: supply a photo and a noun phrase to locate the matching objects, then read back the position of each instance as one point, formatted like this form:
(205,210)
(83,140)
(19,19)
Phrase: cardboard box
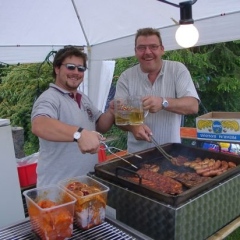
(27,175)
(219,126)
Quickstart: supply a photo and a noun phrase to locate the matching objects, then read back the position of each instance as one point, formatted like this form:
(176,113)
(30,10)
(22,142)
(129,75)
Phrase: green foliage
(3,68)
(215,70)
(121,65)
(116,138)
(20,86)
(234,235)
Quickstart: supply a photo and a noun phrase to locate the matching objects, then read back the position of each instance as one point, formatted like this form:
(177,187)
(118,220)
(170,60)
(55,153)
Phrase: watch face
(165,103)
(77,135)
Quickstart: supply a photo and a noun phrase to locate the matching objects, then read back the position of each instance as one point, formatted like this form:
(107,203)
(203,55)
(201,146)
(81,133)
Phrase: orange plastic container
(27,175)
(51,212)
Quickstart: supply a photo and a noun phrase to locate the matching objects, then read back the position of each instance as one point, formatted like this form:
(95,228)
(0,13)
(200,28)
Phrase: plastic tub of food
(51,212)
(91,195)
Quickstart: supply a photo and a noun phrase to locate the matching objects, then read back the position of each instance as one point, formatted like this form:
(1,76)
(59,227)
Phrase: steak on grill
(188,179)
(158,182)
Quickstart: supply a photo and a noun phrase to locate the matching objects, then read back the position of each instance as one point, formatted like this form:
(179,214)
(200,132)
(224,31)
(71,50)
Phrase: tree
(215,70)
(20,86)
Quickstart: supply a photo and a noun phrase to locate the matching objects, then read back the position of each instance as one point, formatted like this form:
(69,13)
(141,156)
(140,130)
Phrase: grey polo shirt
(61,160)
(173,81)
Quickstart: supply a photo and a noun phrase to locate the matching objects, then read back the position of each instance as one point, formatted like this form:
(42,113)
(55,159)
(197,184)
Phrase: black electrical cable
(46,60)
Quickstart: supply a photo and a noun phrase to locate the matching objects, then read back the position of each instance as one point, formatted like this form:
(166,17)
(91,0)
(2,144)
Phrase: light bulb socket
(185,13)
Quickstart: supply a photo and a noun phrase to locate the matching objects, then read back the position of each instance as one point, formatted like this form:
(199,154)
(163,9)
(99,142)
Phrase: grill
(197,213)
(110,229)
(116,171)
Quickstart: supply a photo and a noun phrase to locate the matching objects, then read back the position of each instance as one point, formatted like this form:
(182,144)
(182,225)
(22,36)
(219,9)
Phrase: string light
(187,34)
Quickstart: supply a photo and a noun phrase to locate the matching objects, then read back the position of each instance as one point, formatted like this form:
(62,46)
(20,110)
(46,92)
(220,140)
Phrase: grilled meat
(223,166)
(209,167)
(232,164)
(151,167)
(159,182)
(187,179)
(180,160)
(171,173)
(198,163)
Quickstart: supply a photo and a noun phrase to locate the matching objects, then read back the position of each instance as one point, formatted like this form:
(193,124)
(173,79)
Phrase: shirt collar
(78,98)
(159,74)
(78,95)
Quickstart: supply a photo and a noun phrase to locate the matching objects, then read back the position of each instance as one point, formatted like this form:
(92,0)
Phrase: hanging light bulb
(187,34)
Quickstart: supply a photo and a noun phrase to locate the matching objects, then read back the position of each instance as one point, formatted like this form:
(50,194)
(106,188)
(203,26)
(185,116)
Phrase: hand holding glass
(129,111)
(137,114)
(121,111)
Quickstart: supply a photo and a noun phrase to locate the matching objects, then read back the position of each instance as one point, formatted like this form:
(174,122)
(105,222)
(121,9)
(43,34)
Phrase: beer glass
(121,111)
(137,114)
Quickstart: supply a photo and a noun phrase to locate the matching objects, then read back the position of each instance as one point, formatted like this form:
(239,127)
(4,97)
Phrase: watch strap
(80,129)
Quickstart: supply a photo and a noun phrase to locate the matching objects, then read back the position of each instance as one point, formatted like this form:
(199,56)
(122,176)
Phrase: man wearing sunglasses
(166,88)
(67,123)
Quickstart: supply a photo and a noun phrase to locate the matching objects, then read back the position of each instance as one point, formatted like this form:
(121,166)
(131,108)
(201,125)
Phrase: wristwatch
(165,103)
(77,134)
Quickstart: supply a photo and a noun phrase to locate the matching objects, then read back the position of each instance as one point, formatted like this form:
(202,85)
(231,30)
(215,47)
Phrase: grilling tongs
(110,151)
(106,147)
(162,151)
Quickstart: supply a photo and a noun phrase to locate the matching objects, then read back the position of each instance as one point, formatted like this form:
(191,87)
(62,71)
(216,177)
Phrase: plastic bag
(28,159)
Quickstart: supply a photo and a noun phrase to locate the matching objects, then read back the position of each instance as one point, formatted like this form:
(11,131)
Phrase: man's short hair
(148,32)
(65,52)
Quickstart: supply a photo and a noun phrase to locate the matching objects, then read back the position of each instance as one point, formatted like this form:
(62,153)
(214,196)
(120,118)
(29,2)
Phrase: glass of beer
(121,111)
(137,114)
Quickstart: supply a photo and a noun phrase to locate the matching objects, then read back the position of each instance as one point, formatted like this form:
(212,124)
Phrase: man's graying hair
(68,51)
(148,32)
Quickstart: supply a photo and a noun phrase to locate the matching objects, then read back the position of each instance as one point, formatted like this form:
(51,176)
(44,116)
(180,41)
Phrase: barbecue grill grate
(104,231)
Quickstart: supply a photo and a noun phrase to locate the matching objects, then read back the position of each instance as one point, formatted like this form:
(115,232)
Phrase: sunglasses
(72,67)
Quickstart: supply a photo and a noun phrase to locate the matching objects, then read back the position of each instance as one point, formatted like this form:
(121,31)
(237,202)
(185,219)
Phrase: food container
(51,212)
(91,195)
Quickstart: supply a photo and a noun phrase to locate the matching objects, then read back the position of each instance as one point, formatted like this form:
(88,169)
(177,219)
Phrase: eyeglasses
(143,48)
(72,67)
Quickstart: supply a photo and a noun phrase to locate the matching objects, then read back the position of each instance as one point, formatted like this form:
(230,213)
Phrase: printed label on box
(218,129)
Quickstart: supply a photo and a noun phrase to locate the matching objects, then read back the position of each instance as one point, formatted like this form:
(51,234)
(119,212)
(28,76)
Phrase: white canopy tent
(30,29)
